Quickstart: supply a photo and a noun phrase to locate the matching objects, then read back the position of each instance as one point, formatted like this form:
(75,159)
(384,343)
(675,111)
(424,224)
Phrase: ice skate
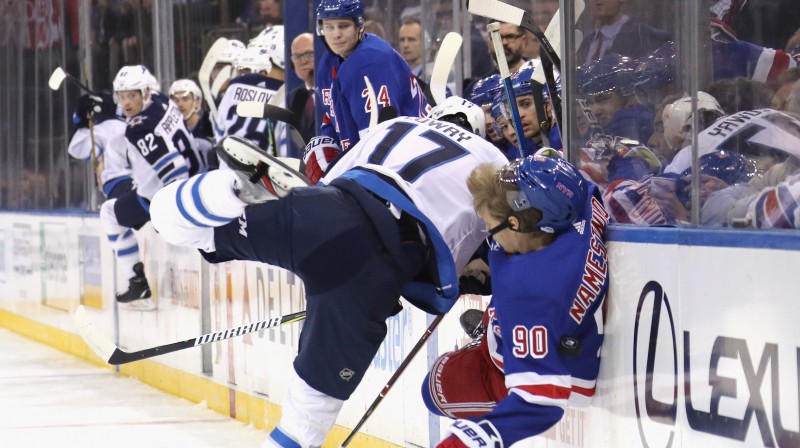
(138,293)
(262,177)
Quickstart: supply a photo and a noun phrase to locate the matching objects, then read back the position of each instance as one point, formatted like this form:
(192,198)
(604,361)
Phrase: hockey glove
(468,434)
(319,152)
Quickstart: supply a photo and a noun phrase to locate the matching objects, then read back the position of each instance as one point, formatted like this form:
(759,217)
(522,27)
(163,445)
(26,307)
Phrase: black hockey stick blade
(393,379)
(503,12)
(258,109)
(387,113)
(111,354)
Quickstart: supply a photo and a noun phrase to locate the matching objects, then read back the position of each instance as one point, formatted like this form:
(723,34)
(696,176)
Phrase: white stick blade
(445,58)
(222,77)
(496,10)
(250,109)
(373,115)
(57,78)
(93,337)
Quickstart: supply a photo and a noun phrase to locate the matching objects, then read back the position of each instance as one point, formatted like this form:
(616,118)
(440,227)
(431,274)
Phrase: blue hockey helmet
(549,184)
(611,73)
(482,91)
(658,68)
(729,166)
(339,9)
(521,81)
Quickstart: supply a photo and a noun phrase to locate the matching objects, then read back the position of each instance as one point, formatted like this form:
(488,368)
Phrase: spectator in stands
(616,32)
(784,85)
(376,28)
(301,99)
(410,44)
(515,44)
(740,93)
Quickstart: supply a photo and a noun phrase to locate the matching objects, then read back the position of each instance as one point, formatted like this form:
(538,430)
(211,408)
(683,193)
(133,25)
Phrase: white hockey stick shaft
(373,101)
(204,74)
(502,66)
(445,58)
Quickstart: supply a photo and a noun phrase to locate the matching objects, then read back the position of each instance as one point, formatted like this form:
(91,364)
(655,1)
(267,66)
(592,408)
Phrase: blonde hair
(489,194)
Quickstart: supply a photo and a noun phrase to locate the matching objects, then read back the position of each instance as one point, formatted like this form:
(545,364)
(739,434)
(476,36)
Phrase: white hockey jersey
(110,144)
(248,87)
(430,160)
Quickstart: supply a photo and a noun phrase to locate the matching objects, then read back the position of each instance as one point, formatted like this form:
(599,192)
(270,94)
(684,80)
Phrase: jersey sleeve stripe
(201,208)
(164,160)
(175,174)
(182,207)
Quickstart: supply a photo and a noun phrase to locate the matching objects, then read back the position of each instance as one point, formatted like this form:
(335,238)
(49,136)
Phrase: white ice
(49,399)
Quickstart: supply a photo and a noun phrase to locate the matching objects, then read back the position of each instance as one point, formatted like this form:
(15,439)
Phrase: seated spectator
(375,27)
(783,86)
(740,93)
(616,32)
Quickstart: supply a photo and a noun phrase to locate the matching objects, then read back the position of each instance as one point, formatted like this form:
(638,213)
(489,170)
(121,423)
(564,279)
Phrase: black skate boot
(138,289)
(262,177)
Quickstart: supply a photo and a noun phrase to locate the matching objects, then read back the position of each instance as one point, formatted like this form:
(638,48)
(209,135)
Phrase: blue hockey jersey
(342,91)
(543,300)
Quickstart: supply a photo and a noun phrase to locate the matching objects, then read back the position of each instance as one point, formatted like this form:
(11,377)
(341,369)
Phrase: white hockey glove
(468,434)
(320,151)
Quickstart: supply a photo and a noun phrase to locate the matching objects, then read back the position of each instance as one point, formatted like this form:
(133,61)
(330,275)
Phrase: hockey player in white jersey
(156,138)
(392,217)
(186,94)
(256,80)
(104,141)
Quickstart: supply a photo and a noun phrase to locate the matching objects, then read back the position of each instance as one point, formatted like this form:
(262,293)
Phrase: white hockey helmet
(135,77)
(457,106)
(255,59)
(183,86)
(271,38)
(235,48)
(677,116)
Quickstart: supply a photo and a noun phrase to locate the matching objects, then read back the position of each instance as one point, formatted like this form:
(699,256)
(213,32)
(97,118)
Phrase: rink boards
(702,348)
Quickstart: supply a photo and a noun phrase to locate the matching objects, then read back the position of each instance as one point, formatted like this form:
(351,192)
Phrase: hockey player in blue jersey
(394,217)
(544,324)
(341,90)
(156,139)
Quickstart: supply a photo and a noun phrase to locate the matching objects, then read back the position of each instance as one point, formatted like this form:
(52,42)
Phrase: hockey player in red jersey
(544,325)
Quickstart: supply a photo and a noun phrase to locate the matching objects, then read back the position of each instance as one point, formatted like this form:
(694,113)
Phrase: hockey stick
(223,76)
(393,379)
(373,113)
(111,354)
(204,74)
(502,66)
(503,12)
(257,109)
(445,58)
(59,75)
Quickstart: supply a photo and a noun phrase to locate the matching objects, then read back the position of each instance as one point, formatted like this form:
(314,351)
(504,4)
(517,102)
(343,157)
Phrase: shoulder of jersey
(250,79)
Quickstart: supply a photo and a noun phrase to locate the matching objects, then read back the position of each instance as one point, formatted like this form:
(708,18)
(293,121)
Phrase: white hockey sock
(122,241)
(308,416)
